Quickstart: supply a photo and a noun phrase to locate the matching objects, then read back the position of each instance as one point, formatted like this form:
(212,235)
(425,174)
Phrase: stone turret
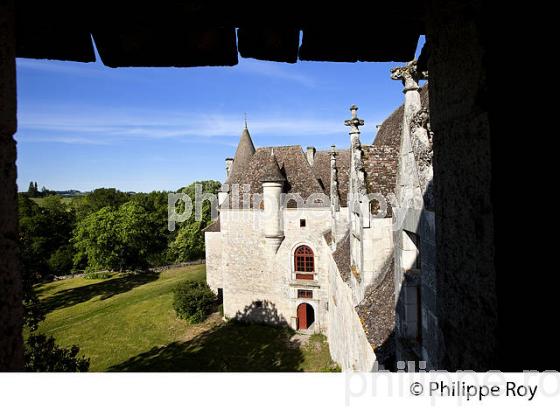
(272,183)
(235,165)
(243,154)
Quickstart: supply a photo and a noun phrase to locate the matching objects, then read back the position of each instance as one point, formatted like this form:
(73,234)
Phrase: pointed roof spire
(244,152)
(272,171)
(245,120)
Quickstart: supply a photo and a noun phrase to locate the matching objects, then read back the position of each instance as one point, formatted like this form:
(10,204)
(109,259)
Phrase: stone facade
(251,271)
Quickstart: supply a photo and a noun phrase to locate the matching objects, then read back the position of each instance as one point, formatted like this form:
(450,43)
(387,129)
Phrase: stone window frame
(304,259)
(295,273)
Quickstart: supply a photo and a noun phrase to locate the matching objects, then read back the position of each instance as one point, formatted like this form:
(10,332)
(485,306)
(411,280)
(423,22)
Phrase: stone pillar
(335,200)
(410,76)
(357,177)
(11,311)
(465,272)
(408,192)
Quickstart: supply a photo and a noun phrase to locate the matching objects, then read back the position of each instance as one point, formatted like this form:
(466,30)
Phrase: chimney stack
(311,155)
(229,163)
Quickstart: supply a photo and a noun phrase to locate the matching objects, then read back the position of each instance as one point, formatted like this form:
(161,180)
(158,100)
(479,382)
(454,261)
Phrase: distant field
(65,199)
(127,323)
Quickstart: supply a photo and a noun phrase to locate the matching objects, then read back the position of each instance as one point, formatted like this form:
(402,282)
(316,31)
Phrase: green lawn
(127,323)
(65,199)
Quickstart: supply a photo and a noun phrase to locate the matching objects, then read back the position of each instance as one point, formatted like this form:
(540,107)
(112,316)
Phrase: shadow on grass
(247,344)
(230,347)
(105,289)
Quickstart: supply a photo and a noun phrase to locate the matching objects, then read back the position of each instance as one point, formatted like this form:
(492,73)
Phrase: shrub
(42,354)
(61,261)
(193,301)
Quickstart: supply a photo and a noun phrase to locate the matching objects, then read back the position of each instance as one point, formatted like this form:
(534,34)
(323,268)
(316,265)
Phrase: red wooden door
(302,316)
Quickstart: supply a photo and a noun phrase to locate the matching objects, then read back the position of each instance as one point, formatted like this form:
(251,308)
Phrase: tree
(42,354)
(188,243)
(155,204)
(32,191)
(44,235)
(98,199)
(115,239)
(42,231)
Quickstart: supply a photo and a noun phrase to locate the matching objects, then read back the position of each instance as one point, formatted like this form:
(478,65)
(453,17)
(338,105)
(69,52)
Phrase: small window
(302,223)
(305,294)
(258,304)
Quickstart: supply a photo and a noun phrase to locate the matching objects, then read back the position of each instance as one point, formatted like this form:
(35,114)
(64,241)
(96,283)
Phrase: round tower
(272,184)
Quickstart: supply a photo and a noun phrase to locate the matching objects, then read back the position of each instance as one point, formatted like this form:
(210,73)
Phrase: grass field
(127,323)
(65,199)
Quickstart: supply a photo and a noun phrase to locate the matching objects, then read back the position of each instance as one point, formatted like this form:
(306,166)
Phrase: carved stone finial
(354,122)
(409,75)
(334,182)
(245,120)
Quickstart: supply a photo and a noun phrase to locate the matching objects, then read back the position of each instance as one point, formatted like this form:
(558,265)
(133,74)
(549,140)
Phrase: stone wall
(374,249)
(466,277)
(214,271)
(378,248)
(11,312)
(422,224)
(348,342)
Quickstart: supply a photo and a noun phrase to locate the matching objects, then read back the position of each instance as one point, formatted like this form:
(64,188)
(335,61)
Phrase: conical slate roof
(243,154)
(271,171)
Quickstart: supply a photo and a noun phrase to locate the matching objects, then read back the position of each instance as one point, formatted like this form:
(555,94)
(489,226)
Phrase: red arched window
(304,262)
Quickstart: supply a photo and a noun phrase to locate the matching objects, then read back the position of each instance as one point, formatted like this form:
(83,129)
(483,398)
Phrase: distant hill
(70,192)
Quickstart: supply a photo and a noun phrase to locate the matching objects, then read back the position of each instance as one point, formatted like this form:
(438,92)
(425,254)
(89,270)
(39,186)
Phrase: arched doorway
(305,316)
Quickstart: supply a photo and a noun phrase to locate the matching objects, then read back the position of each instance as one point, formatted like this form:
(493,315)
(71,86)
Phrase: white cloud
(94,126)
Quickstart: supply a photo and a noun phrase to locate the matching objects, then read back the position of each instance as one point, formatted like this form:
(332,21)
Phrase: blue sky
(84,126)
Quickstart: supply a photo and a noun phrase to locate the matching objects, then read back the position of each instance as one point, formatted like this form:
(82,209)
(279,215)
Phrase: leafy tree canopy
(188,243)
(99,198)
(115,239)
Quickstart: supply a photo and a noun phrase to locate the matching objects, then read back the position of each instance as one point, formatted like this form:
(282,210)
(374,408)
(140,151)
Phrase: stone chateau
(340,242)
